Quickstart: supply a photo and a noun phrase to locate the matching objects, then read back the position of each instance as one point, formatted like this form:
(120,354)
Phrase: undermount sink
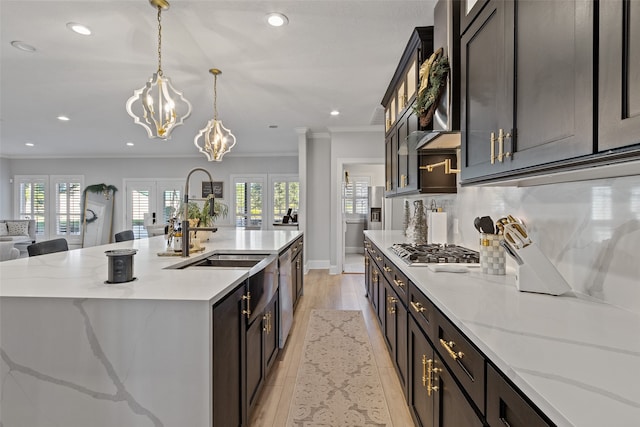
(226,260)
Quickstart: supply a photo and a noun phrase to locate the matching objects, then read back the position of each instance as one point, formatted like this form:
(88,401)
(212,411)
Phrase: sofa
(18,230)
(7,251)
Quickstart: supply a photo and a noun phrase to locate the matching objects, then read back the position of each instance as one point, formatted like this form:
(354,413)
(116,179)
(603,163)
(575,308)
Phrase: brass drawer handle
(424,370)
(387,269)
(430,380)
(247,298)
(448,346)
(378,258)
(419,308)
(399,283)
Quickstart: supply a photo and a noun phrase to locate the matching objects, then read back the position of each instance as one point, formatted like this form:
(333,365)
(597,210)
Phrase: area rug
(338,384)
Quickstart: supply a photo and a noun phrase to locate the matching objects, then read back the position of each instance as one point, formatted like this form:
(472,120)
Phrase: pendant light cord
(159,42)
(215,97)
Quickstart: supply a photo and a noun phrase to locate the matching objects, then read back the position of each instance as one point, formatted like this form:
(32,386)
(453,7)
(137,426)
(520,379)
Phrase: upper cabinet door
(554,82)
(527,87)
(487,87)
(619,79)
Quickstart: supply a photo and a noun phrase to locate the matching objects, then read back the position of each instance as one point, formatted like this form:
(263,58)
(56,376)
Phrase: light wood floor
(340,292)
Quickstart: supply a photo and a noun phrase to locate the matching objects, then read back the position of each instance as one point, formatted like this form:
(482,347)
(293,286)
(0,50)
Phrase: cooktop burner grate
(434,253)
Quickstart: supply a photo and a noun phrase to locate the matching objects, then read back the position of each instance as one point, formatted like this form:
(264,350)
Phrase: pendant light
(217,139)
(161,108)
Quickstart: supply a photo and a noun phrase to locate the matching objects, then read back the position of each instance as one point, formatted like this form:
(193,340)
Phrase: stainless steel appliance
(286,296)
(374,217)
(425,254)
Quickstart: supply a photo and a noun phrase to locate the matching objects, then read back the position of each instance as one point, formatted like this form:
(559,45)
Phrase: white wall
(113,171)
(376,172)
(6,189)
(318,198)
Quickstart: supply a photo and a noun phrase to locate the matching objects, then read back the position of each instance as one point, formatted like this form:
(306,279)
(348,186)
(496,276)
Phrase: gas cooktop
(425,254)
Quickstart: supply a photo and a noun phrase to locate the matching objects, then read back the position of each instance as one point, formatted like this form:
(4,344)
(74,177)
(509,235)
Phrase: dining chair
(48,247)
(124,236)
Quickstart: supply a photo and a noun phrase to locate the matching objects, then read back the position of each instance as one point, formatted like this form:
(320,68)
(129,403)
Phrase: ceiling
(333,54)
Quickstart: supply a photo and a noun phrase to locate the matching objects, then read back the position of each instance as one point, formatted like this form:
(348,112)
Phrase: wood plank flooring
(339,292)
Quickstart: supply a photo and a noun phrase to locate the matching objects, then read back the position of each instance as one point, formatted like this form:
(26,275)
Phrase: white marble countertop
(81,273)
(576,358)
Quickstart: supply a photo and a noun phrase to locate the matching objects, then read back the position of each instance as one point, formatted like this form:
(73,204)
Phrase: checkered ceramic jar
(492,256)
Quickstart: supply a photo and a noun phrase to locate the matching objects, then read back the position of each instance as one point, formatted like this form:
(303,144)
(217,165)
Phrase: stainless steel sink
(225,260)
(230,260)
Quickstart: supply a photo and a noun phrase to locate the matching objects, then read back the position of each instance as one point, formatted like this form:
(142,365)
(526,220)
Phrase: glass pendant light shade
(215,140)
(158,106)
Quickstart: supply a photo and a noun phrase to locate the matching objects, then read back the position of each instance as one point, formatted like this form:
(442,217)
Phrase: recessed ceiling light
(23,46)
(29,144)
(63,118)
(273,126)
(276,19)
(79,28)
(335,113)
(130,144)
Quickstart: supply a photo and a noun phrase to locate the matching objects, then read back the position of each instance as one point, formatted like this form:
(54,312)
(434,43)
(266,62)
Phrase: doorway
(354,207)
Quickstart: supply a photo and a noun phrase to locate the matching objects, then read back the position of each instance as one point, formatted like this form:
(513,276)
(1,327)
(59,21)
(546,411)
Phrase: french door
(249,201)
(151,202)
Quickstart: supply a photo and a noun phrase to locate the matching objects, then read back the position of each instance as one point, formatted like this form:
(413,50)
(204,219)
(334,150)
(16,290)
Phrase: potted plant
(199,216)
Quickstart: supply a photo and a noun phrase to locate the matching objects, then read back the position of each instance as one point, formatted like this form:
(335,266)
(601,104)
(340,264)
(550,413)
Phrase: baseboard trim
(318,264)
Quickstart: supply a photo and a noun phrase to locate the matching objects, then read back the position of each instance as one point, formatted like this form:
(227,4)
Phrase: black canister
(120,265)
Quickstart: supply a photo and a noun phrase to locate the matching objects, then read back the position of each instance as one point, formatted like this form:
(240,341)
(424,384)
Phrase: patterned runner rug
(338,384)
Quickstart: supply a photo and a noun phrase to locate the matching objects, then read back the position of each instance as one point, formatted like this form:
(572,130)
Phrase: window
(31,192)
(151,202)
(285,195)
(66,206)
(248,200)
(355,198)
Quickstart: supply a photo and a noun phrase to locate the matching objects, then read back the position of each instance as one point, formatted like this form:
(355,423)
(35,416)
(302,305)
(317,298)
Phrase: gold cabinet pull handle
(378,258)
(508,154)
(493,148)
(247,298)
(449,347)
(431,370)
(387,269)
(399,283)
(419,308)
(391,308)
(424,370)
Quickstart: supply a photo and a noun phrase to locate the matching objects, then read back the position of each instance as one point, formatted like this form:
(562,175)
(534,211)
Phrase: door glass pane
(241,205)
(256,204)
(170,205)
(139,206)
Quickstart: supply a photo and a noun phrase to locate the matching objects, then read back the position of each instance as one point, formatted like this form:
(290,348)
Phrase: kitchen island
(76,351)
(576,358)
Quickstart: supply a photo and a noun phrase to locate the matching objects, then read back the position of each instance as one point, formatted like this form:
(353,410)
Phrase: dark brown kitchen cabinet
(507,407)
(435,398)
(262,349)
(297,269)
(391,163)
(395,331)
(402,160)
(229,333)
(619,75)
(527,87)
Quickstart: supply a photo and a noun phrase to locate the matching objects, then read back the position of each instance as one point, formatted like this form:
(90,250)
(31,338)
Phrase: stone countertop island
(76,351)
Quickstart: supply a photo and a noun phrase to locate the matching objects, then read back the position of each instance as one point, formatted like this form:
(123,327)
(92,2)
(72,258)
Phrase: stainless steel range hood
(446,120)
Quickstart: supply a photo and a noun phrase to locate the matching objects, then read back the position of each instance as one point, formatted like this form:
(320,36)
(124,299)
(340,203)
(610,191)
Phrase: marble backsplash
(590,230)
